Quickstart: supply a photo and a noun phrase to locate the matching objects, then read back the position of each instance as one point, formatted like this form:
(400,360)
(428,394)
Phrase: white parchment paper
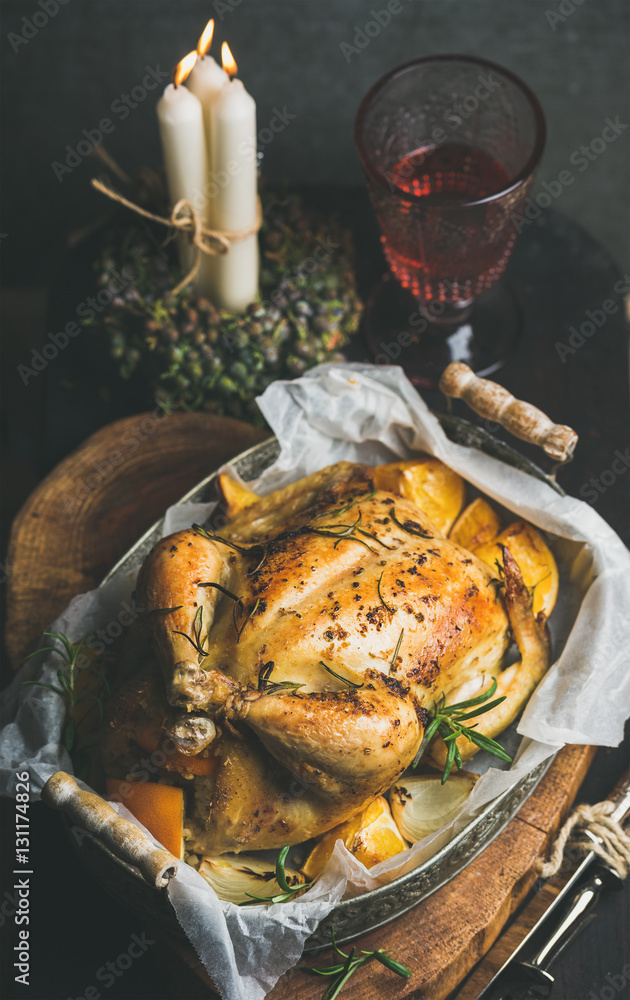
(369,414)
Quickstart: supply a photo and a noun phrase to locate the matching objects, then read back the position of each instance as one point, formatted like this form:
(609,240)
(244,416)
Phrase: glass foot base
(397,333)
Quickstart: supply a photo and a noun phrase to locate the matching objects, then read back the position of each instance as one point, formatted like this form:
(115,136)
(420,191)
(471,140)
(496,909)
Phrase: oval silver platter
(351,917)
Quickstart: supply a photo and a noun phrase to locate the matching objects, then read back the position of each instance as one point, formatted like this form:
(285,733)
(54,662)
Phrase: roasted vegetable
(427,482)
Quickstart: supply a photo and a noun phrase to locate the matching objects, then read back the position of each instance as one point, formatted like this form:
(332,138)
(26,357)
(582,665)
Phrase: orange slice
(535,560)
(476,525)
(378,838)
(158,807)
(371,835)
(432,486)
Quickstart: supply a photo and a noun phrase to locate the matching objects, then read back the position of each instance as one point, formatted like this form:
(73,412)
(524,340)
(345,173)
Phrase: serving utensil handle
(121,836)
(492,401)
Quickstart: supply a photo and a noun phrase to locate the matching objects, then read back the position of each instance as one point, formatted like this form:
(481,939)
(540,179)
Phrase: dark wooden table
(561,276)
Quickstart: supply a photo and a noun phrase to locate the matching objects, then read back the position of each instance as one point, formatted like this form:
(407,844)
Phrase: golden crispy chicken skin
(336,615)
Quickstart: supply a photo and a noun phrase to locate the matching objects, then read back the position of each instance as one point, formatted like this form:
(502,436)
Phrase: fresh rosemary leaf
(281,877)
(450,760)
(346,680)
(271,689)
(71,655)
(381,598)
(485,743)
(244,550)
(288,892)
(43,684)
(197,626)
(224,590)
(264,674)
(411,527)
(395,656)
(369,534)
(481,709)
(447,720)
(250,614)
(342,973)
(391,963)
(474,701)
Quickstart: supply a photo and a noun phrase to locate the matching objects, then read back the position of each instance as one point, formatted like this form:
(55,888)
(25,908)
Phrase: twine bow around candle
(184,220)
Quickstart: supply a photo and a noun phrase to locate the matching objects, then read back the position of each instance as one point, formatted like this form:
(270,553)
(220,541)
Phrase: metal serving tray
(369,910)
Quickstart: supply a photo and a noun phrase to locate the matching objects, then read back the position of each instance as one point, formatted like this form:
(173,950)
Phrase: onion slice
(232,876)
(421,804)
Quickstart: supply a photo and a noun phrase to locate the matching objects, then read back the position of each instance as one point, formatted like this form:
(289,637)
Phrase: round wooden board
(84,516)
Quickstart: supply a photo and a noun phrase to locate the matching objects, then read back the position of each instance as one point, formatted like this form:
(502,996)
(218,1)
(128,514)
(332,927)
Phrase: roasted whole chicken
(302,647)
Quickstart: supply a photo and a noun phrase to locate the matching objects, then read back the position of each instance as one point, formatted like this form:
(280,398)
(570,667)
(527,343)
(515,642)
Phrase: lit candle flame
(183,68)
(205,41)
(229,63)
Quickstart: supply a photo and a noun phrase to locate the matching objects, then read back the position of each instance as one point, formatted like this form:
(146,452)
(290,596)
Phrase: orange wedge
(432,486)
(236,496)
(371,835)
(187,765)
(476,525)
(158,807)
(535,560)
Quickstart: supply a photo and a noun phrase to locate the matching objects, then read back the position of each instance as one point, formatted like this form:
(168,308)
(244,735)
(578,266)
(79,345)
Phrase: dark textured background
(65,79)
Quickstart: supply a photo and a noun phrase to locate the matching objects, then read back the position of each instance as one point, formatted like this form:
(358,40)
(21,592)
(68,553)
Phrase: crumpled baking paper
(369,414)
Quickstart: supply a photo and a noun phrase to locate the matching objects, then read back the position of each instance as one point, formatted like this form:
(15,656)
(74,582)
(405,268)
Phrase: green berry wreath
(196,357)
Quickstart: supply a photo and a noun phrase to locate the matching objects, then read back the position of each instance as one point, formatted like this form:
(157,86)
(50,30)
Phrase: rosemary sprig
(446,720)
(395,656)
(264,674)
(342,971)
(270,687)
(288,891)
(197,642)
(244,550)
(273,688)
(347,506)
(164,611)
(224,590)
(411,527)
(382,600)
(350,538)
(346,680)
(380,541)
(67,676)
(252,611)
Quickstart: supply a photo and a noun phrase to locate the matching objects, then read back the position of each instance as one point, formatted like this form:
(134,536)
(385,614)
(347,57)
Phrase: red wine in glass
(432,267)
(448,189)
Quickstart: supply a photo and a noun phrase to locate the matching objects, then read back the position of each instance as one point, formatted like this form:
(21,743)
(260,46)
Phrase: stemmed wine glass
(449,146)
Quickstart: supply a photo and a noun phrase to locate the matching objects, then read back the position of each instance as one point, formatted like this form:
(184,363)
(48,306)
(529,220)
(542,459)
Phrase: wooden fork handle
(120,835)
(522,419)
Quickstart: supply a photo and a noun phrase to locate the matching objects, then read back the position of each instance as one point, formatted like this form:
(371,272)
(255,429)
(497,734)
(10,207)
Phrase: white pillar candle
(233,173)
(205,81)
(206,77)
(180,117)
